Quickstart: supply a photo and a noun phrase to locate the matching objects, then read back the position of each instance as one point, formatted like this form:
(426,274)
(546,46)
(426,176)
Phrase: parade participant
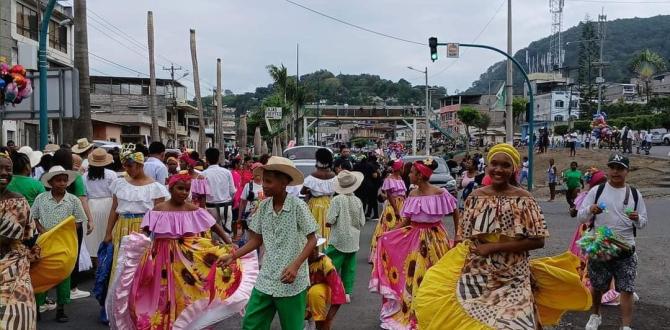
(326,292)
(170,279)
(551,179)
(621,208)
(319,188)
(33,156)
(523,174)
(16,291)
(172,165)
(371,185)
(573,181)
(43,166)
(222,187)
(153,165)
(486,282)
(468,181)
(252,195)
(199,183)
(21,182)
(284,224)
(395,191)
(49,210)
(132,197)
(83,149)
(98,180)
(405,254)
(345,219)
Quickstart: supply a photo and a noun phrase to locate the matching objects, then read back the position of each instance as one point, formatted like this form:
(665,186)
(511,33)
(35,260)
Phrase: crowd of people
(155,228)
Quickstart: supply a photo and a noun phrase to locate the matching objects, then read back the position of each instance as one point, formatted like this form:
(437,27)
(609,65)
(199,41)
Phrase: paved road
(652,311)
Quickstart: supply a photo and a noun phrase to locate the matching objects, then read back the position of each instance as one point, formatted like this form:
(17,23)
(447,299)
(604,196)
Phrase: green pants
(62,294)
(261,310)
(345,263)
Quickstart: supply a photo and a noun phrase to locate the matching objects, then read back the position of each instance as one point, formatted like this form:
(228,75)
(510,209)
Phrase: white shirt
(155,169)
(614,215)
(319,187)
(524,166)
(220,183)
(39,171)
(648,137)
(136,199)
(100,188)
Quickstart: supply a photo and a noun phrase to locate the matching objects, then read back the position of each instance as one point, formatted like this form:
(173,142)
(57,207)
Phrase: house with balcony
(620,93)
(556,100)
(492,104)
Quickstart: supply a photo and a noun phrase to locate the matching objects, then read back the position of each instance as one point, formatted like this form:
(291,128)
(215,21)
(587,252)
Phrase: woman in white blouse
(98,180)
(319,187)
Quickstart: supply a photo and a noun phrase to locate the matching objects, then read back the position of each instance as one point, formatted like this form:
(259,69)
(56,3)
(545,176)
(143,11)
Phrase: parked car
(656,138)
(306,166)
(666,139)
(441,176)
(301,152)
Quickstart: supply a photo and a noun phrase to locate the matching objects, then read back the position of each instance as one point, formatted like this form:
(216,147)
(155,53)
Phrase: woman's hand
(108,238)
(225,260)
(89,227)
(484,249)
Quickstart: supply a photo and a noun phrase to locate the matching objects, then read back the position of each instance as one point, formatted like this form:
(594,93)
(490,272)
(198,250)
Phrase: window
(11,135)
(558,118)
(574,104)
(26,21)
(559,103)
(58,36)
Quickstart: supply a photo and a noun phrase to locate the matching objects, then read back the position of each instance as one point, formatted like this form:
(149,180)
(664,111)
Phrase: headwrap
(136,157)
(181,177)
(423,168)
(595,176)
(4,154)
(188,160)
(397,165)
(508,150)
(171,158)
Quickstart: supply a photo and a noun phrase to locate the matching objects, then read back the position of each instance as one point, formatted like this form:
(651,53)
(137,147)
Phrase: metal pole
(414,137)
(44,120)
(218,135)
(428,111)
(509,90)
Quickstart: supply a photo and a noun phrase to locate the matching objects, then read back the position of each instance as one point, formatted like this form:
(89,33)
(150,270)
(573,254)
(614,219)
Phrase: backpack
(629,190)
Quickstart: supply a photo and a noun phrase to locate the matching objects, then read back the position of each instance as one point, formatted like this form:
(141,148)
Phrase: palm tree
(280,75)
(645,65)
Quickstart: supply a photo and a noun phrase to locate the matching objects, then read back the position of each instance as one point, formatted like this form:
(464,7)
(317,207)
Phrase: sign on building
(273,113)
(452,50)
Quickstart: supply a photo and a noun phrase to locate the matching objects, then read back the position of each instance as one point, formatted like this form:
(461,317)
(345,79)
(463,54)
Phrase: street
(653,283)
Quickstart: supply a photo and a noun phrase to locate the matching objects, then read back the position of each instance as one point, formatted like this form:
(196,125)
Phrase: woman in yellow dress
(489,281)
(395,191)
(319,186)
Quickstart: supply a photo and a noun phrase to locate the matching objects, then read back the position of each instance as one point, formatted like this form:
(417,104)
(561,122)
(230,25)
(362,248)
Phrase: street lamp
(425,72)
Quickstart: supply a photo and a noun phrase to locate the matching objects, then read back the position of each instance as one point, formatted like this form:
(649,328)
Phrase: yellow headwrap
(508,150)
(137,157)
(4,154)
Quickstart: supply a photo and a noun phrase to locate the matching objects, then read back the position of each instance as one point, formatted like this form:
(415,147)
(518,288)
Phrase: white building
(556,107)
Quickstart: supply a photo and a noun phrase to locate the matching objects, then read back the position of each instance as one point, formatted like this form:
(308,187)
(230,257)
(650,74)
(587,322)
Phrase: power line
(354,25)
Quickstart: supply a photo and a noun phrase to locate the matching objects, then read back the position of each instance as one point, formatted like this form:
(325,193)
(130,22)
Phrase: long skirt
(58,256)
(466,291)
(174,283)
(319,207)
(403,256)
(388,221)
(100,208)
(16,291)
(125,225)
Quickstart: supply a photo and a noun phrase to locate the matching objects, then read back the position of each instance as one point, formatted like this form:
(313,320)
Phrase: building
(492,105)
(660,84)
(620,93)
(228,126)
(19,34)
(555,100)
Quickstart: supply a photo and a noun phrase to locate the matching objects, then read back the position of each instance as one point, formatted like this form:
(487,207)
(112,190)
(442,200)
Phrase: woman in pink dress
(395,191)
(405,254)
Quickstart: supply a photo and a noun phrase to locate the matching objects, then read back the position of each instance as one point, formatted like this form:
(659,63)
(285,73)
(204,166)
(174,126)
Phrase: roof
(107,122)
(132,80)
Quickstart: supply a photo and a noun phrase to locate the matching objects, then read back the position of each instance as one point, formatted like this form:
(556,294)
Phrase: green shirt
(78,187)
(50,213)
(346,217)
(284,236)
(26,187)
(573,178)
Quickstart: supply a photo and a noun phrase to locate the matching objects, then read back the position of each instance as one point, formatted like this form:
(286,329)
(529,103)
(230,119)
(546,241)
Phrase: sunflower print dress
(171,281)
(396,190)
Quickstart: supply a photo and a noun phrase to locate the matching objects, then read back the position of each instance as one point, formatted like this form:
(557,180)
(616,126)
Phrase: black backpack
(632,190)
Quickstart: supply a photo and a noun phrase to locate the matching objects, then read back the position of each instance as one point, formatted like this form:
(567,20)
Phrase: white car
(666,139)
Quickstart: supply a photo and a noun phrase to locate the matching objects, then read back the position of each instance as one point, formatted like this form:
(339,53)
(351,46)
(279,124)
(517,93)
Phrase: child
(326,292)
(346,218)
(286,227)
(48,210)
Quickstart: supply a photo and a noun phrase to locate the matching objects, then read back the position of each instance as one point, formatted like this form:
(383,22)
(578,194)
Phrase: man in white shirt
(621,208)
(153,165)
(221,186)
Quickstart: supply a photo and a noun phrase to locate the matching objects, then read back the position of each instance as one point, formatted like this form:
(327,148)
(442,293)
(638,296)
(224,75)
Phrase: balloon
(4,69)
(27,90)
(18,69)
(19,80)
(2,83)
(11,92)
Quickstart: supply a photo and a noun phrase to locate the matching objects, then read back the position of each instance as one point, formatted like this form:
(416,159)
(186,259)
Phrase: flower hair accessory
(4,154)
(428,161)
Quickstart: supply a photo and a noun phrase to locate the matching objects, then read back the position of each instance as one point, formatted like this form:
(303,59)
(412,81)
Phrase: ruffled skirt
(125,225)
(446,299)
(319,207)
(175,284)
(402,258)
(388,221)
(58,256)
(100,208)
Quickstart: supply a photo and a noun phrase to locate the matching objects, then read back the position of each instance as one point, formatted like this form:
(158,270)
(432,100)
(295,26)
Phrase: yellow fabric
(507,149)
(318,297)
(387,222)
(123,227)
(559,289)
(57,258)
(319,207)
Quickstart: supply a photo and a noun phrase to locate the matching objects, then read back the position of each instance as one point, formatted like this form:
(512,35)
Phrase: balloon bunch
(395,150)
(602,244)
(14,86)
(599,126)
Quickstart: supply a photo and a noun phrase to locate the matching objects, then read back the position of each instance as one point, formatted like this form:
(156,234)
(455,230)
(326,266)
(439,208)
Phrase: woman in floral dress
(199,184)
(395,191)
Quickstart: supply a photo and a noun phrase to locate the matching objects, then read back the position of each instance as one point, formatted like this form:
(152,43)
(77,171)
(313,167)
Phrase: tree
(469,116)
(588,53)
(483,122)
(645,65)
(519,107)
(280,76)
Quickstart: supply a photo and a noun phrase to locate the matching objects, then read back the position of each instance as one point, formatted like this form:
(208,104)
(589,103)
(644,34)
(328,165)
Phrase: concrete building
(620,93)
(492,105)
(555,100)
(228,126)
(660,84)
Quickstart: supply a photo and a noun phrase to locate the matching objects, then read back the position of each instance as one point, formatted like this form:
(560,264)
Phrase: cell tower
(555,46)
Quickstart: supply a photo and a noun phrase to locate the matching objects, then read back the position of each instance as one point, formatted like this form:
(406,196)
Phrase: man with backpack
(620,207)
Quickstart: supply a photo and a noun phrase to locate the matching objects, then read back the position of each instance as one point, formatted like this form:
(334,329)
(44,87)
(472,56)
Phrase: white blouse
(101,188)
(319,187)
(136,199)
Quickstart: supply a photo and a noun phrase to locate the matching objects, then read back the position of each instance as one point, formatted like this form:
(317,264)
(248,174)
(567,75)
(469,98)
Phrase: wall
(106,132)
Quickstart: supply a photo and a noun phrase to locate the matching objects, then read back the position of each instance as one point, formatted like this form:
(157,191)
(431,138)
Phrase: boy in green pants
(345,219)
(284,224)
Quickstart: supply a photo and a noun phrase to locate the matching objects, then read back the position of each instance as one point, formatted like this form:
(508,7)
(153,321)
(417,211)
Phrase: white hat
(34,156)
(58,170)
(320,241)
(82,146)
(51,148)
(347,182)
(284,165)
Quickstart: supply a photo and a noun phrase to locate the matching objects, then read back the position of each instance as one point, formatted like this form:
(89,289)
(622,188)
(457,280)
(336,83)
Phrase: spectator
(222,188)
(573,180)
(154,166)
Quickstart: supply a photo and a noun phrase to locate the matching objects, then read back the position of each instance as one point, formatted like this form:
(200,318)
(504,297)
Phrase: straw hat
(284,165)
(51,148)
(34,156)
(58,170)
(347,182)
(82,146)
(100,158)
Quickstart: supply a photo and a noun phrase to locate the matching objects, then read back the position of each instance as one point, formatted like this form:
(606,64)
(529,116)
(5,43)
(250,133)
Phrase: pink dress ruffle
(200,186)
(175,224)
(397,187)
(429,208)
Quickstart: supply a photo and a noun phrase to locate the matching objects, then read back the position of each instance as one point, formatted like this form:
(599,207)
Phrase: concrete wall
(107,132)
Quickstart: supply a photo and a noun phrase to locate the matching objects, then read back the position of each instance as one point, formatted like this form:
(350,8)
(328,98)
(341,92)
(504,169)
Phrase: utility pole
(198,99)
(83,125)
(509,89)
(172,69)
(297,88)
(218,134)
(428,111)
(155,132)
(602,18)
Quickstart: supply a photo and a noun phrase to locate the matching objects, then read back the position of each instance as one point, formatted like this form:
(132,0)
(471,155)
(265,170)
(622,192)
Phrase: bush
(560,129)
(582,126)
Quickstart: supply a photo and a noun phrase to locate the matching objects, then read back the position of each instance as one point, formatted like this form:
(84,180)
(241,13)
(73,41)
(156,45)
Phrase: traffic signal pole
(531,127)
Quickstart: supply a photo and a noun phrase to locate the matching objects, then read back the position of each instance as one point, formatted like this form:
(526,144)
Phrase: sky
(248,35)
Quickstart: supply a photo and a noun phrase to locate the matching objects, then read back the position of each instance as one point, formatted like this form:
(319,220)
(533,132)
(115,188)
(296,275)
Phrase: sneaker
(594,322)
(348,297)
(48,306)
(636,298)
(78,294)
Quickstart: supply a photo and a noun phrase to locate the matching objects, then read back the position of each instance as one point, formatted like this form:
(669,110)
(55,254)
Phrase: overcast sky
(250,34)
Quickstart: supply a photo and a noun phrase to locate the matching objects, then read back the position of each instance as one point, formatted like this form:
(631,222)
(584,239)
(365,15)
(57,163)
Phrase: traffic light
(432,43)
